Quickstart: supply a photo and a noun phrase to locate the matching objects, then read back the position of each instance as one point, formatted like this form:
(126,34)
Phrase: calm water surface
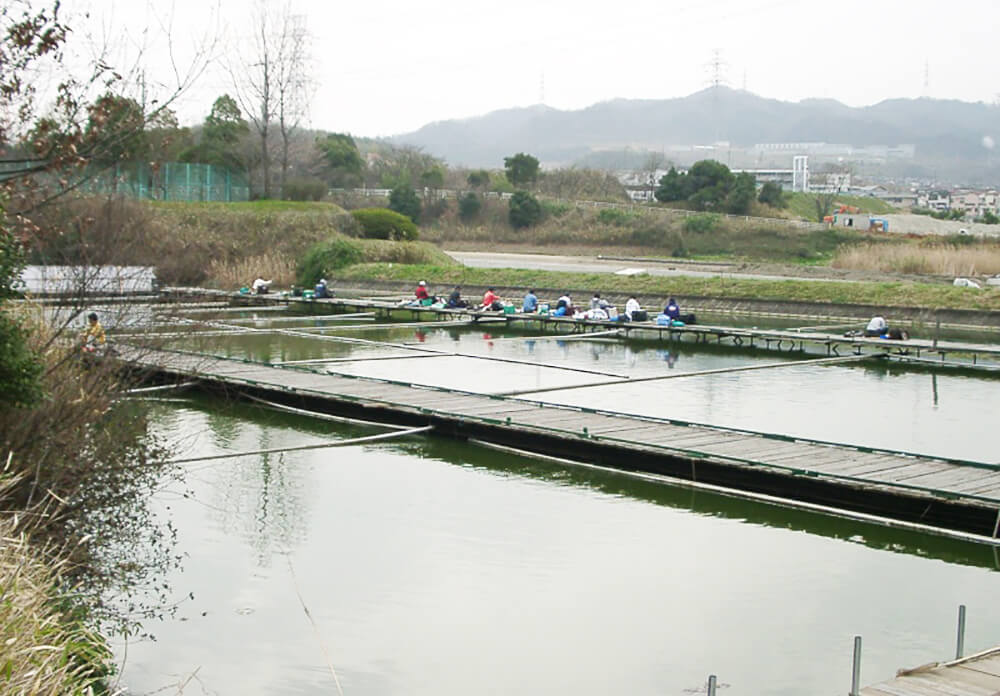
(435,567)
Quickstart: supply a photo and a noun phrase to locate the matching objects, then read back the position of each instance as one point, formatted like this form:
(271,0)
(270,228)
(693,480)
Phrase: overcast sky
(383,67)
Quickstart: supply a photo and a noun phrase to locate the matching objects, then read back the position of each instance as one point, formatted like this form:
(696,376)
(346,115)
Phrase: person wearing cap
(421,291)
(455,300)
(321,290)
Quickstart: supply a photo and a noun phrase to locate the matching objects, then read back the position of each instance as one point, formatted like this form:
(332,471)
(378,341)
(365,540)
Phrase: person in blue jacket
(530,302)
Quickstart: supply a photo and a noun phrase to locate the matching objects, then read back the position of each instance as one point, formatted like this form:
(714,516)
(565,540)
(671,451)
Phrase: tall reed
(929,259)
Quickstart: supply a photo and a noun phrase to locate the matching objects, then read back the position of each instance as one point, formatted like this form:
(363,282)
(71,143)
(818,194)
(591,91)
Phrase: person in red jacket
(421,291)
(490,299)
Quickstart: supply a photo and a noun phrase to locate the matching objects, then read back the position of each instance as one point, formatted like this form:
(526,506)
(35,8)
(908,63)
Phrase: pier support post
(711,685)
(856,668)
(960,645)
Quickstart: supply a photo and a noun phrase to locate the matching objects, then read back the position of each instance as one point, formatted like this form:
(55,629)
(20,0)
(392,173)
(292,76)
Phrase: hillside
(947,134)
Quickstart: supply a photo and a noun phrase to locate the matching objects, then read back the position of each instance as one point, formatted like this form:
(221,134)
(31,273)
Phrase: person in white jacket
(878,326)
(631,306)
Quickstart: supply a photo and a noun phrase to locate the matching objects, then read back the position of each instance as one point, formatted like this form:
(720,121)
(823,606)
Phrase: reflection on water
(432,566)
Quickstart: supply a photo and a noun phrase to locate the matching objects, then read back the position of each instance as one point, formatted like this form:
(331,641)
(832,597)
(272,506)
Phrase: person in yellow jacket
(93,337)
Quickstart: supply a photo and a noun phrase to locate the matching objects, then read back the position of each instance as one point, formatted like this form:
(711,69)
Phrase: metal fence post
(711,685)
(960,647)
(856,669)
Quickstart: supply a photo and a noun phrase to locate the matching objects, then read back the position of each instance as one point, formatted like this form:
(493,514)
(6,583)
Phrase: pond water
(430,566)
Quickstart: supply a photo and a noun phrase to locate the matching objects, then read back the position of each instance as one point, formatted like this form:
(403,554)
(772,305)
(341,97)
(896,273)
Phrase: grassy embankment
(803,205)
(892,294)
(271,238)
(641,231)
(223,245)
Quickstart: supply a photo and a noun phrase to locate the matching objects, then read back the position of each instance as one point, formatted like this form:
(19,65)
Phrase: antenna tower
(717,69)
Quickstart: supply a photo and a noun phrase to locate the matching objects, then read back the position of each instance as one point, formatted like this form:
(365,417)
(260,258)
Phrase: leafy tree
(20,368)
(710,182)
(989,218)
(121,118)
(521,169)
(524,210)
(771,194)
(432,179)
(469,206)
(403,199)
(392,165)
(741,194)
(342,165)
(479,178)
(221,137)
(673,187)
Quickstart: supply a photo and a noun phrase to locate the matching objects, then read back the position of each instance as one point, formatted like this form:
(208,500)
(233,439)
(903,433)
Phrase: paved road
(592,264)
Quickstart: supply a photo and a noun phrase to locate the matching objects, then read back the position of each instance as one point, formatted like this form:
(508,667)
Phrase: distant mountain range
(948,135)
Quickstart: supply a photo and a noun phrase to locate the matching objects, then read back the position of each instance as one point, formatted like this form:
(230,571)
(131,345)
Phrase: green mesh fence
(171,181)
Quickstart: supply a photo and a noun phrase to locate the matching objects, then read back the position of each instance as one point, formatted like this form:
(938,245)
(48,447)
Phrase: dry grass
(236,273)
(931,259)
(41,652)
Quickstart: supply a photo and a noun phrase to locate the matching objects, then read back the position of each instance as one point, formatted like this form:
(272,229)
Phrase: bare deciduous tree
(271,79)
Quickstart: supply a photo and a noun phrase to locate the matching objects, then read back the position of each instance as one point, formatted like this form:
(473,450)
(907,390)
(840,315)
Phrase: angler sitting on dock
(530,303)
(564,307)
(491,301)
(321,290)
(455,300)
(877,327)
(673,311)
(422,295)
(631,307)
(597,302)
(261,286)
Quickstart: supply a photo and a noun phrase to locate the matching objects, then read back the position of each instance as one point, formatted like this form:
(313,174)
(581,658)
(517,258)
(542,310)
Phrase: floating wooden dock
(918,351)
(947,495)
(976,675)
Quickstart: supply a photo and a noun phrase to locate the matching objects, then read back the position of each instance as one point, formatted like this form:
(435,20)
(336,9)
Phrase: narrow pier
(976,675)
(949,496)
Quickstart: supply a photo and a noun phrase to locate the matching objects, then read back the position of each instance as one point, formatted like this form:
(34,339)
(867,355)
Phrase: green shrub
(469,206)
(698,224)
(322,258)
(382,223)
(615,216)
(304,189)
(325,258)
(555,209)
(524,210)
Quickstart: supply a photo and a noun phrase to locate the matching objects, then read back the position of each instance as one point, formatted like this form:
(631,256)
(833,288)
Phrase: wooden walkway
(976,675)
(955,495)
(920,351)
